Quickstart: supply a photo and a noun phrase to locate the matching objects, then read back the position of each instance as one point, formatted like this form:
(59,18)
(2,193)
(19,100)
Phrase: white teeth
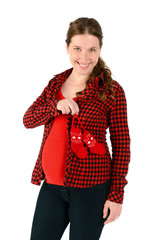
(84,65)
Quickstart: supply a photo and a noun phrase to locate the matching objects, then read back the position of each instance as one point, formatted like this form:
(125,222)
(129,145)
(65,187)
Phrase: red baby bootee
(77,140)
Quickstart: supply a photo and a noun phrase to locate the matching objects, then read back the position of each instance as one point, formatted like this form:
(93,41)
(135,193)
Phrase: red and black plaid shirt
(96,116)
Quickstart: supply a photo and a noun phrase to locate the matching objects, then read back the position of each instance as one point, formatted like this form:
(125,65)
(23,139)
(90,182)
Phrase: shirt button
(89,142)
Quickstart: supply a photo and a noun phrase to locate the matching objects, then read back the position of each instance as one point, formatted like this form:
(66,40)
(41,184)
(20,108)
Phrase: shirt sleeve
(120,142)
(42,110)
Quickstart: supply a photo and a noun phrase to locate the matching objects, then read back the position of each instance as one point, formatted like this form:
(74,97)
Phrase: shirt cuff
(115,196)
(53,107)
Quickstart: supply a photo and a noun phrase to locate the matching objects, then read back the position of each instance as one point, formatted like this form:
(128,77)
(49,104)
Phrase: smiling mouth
(83,65)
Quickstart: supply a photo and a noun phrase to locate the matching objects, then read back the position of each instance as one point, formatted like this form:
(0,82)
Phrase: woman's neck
(77,79)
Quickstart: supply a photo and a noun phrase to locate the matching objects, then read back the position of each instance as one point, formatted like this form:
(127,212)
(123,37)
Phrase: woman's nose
(84,56)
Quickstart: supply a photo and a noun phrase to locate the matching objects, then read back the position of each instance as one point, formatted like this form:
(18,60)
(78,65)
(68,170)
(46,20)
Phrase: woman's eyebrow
(81,47)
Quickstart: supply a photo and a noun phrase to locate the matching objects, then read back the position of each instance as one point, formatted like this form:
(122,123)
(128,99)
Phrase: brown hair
(91,26)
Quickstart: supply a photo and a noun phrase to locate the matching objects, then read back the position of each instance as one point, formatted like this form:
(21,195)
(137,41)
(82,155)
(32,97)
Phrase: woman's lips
(83,65)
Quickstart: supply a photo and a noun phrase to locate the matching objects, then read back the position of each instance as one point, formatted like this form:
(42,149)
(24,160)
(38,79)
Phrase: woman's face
(84,51)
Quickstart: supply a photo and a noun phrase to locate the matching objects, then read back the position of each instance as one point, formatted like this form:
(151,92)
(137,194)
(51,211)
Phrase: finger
(76,111)
(110,219)
(74,107)
(65,110)
(105,210)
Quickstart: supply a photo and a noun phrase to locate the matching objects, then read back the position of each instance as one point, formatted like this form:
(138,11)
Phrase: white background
(32,50)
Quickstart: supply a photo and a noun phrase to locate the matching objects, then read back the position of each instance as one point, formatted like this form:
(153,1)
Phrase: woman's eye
(92,50)
(77,49)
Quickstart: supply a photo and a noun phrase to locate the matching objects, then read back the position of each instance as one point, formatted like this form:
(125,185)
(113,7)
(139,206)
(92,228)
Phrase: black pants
(57,206)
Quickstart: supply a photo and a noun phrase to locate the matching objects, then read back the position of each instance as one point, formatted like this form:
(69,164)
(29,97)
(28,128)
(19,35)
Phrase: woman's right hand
(68,105)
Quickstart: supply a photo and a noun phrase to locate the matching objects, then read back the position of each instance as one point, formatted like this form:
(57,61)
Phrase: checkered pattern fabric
(96,117)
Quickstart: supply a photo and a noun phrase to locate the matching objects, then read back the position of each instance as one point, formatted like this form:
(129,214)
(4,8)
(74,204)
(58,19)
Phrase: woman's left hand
(115,211)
